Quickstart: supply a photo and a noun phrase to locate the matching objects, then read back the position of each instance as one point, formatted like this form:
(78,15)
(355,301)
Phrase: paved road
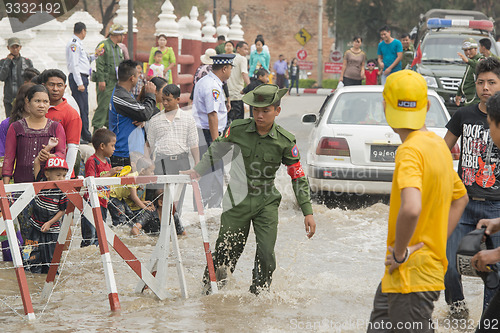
(292,109)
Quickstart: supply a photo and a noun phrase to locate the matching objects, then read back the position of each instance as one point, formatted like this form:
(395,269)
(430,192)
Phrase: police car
(440,36)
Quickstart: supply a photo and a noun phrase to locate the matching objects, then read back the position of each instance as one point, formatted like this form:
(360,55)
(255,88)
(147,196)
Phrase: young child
(128,201)
(156,69)
(141,81)
(371,73)
(98,165)
(48,209)
(262,78)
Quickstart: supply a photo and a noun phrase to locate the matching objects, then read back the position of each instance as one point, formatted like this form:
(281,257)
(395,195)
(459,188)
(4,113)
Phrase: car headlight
(431,81)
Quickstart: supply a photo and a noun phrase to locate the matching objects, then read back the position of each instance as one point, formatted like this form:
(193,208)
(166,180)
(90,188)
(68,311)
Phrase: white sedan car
(351,146)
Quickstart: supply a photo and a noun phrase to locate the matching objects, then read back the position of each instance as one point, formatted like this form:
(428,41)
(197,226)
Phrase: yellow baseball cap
(405,95)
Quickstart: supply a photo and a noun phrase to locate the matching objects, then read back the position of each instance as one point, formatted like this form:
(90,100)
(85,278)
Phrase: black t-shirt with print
(478,166)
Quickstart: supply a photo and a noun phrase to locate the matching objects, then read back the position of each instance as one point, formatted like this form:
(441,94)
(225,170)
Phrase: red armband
(295,170)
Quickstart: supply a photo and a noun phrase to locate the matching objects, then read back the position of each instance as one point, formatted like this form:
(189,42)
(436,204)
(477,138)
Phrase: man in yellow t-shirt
(427,200)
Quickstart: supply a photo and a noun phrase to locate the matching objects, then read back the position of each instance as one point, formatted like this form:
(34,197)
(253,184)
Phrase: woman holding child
(26,138)
(168,56)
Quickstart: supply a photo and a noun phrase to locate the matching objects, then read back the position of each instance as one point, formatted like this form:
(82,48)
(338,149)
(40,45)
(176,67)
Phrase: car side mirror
(309,118)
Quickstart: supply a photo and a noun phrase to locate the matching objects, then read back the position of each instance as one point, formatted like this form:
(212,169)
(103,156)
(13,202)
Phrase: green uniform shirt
(107,63)
(262,157)
(221,48)
(468,86)
(407,56)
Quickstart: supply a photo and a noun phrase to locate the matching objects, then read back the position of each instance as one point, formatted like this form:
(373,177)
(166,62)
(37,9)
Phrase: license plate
(380,153)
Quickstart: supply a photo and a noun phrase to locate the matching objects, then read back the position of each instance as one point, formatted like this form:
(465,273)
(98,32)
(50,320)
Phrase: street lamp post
(320,43)
(130,35)
(215,12)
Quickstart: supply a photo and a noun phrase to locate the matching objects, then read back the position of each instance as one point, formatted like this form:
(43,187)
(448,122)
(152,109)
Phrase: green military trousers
(101,115)
(261,209)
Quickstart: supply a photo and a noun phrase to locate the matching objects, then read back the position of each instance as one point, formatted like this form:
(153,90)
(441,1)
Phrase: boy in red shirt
(98,165)
(371,73)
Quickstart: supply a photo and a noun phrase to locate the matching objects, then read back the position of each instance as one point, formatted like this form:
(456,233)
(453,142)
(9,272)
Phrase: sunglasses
(371,65)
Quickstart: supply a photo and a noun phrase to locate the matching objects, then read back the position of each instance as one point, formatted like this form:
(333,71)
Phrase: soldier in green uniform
(264,145)
(106,75)
(408,51)
(467,88)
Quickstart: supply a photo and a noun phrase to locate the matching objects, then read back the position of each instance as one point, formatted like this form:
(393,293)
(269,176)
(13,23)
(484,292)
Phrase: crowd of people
(139,129)
(138,125)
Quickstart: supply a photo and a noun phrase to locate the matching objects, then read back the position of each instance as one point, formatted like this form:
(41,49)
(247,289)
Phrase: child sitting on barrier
(48,209)
(127,203)
(98,165)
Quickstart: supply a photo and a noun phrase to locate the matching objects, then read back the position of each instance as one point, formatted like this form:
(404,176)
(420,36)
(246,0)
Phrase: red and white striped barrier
(154,275)
(16,254)
(204,235)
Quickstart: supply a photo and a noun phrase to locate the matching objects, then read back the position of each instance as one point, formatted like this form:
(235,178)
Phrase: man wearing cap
(467,88)
(261,146)
(210,114)
(106,74)
(427,199)
(78,62)
(11,70)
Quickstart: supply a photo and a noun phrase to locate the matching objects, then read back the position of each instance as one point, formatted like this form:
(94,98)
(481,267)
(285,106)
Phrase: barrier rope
(123,250)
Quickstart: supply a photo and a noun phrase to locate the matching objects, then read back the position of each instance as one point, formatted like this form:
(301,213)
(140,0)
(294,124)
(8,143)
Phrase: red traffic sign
(305,65)
(336,56)
(301,54)
(333,67)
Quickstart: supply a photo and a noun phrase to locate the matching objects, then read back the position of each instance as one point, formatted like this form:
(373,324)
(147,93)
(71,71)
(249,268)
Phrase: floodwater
(325,284)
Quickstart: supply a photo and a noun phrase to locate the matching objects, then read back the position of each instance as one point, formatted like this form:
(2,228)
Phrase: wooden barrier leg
(204,235)
(16,254)
(114,302)
(130,259)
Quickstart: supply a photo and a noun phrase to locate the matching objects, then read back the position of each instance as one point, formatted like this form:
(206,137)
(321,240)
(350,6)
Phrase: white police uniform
(208,97)
(78,62)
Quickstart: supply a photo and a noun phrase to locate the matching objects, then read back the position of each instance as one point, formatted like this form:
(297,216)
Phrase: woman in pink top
(26,137)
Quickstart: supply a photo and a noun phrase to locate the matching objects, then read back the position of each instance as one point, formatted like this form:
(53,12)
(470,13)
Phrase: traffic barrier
(153,275)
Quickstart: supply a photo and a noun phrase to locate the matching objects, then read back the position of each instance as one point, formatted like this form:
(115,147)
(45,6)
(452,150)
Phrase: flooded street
(325,284)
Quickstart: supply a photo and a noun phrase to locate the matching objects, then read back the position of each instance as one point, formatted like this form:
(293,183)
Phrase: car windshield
(365,108)
(445,48)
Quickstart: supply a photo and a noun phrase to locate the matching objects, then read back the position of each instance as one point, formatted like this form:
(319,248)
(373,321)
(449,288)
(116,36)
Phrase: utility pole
(320,43)
(130,34)
(215,12)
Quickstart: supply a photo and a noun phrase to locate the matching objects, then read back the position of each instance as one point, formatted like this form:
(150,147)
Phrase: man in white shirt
(239,77)
(210,114)
(78,62)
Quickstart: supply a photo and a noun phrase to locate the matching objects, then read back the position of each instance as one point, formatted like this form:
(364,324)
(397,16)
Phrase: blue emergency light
(435,23)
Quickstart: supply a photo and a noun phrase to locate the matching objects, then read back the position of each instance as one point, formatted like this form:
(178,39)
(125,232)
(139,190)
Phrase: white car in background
(351,146)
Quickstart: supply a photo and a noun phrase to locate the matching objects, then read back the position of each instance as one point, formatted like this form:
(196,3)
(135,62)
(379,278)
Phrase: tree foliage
(107,9)
(365,17)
